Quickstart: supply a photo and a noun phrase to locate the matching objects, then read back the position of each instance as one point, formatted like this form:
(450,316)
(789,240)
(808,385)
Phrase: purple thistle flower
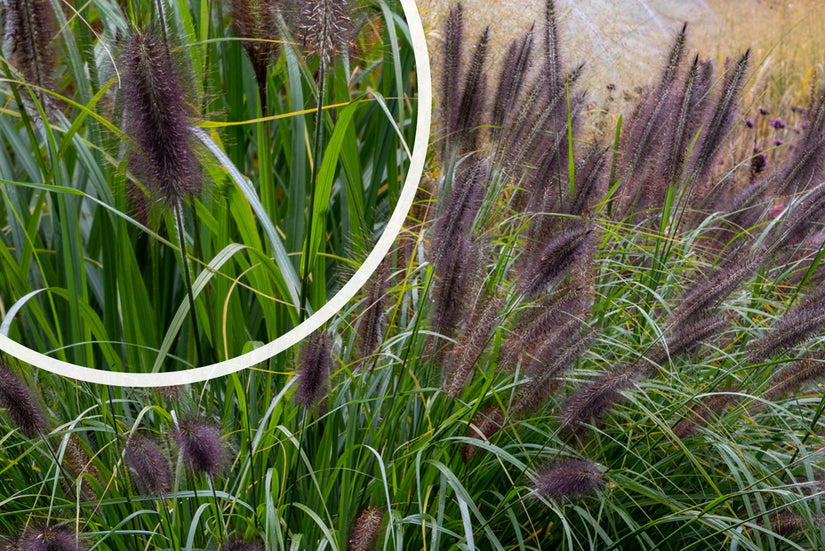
(570,478)
(778,141)
(778,123)
(150,467)
(759,161)
(750,123)
(158,119)
(365,530)
(314,370)
(49,539)
(22,408)
(202,446)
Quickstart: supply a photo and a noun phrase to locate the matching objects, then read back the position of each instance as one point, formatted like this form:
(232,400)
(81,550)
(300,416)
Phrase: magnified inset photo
(184,182)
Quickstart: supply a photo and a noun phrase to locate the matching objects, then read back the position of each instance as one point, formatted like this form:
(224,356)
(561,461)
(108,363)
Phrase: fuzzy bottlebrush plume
(450,65)
(241,546)
(720,123)
(326,27)
(589,182)
(593,401)
(547,322)
(483,321)
(568,479)
(544,268)
(456,278)
(650,116)
(79,464)
(548,377)
(314,370)
(256,21)
(710,406)
(371,324)
(49,539)
(30,29)
(795,376)
(553,70)
(536,121)
(787,524)
(158,119)
(511,80)
(364,533)
(22,408)
(468,112)
(455,221)
(152,473)
(798,324)
(202,446)
(702,297)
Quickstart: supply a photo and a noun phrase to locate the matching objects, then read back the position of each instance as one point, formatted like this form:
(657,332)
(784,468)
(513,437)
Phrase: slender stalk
(178,209)
(316,164)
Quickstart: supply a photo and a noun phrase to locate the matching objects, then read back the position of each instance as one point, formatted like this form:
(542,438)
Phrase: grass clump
(573,344)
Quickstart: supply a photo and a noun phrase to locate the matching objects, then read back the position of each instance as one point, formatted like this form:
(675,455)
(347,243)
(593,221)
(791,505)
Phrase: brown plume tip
(157,118)
(150,467)
(365,530)
(49,539)
(572,478)
(30,28)
(326,27)
(313,371)
(22,408)
(202,446)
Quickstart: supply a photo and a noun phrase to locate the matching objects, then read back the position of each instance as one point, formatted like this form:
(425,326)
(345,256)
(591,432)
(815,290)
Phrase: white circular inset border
(333,305)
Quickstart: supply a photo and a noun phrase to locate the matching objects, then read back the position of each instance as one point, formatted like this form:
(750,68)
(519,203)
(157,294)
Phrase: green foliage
(624,366)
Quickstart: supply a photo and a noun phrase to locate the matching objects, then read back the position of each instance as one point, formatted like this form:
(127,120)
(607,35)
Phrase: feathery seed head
(150,467)
(49,539)
(570,478)
(256,22)
(30,29)
(241,546)
(314,370)
(326,27)
(157,118)
(22,408)
(365,530)
(202,446)
(554,259)
(594,400)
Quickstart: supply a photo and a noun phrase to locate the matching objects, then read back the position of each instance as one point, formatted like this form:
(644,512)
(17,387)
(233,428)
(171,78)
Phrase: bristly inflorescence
(22,408)
(256,21)
(152,473)
(364,532)
(30,30)
(202,445)
(314,370)
(158,119)
(797,325)
(568,479)
(326,27)
(49,539)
